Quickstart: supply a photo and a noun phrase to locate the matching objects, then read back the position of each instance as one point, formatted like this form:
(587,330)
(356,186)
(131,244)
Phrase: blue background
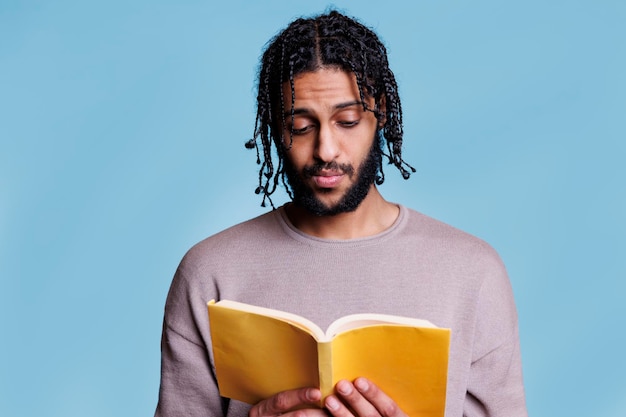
(122,127)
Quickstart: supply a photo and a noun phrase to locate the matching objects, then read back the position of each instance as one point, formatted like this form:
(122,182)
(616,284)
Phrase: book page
(355,321)
(291,318)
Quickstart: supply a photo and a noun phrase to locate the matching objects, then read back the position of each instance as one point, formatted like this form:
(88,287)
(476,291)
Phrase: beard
(305,197)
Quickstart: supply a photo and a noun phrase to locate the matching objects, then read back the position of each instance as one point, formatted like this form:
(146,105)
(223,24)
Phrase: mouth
(327,180)
(327,176)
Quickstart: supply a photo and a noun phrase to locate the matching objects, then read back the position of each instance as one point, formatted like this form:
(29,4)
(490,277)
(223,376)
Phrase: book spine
(325,366)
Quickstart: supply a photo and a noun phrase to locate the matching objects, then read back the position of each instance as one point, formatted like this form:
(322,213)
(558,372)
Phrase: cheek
(300,152)
(295,158)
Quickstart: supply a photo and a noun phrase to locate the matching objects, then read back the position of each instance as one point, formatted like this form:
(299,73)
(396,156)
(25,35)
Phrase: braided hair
(330,40)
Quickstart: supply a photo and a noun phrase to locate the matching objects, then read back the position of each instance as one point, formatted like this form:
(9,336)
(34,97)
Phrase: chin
(309,202)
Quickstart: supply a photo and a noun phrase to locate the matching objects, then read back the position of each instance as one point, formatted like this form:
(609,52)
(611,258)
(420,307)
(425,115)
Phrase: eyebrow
(305,110)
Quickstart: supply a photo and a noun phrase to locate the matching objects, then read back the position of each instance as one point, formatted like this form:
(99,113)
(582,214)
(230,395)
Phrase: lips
(327,180)
(327,176)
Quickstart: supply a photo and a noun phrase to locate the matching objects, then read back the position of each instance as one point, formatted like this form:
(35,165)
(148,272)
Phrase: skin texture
(358,398)
(332,130)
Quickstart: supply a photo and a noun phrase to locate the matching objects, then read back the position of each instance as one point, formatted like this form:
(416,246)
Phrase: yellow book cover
(259,352)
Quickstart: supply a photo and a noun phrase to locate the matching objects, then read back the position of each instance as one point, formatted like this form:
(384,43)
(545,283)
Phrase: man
(328,106)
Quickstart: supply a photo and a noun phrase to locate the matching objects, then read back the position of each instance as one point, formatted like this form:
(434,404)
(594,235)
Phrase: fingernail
(312,395)
(361,384)
(332,403)
(344,387)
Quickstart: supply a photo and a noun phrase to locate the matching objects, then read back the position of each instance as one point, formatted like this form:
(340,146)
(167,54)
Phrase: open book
(259,352)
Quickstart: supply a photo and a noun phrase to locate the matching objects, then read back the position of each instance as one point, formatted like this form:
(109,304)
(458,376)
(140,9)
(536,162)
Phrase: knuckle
(389,409)
(280,401)
(255,411)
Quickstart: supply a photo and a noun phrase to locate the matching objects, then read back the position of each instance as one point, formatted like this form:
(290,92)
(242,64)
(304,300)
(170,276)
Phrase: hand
(302,402)
(361,398)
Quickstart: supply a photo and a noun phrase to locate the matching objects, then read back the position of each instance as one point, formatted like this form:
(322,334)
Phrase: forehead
(324,87)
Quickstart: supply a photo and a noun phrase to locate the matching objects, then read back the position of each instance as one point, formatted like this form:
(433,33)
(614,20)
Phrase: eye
(302,130)
(301,125)
(348,123)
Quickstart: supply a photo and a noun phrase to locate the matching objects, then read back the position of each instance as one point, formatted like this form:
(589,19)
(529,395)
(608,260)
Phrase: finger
(336,407)
(286,401)
(353,399)
(385,406)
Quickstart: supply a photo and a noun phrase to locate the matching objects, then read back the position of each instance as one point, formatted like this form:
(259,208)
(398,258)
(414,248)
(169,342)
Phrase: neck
(374,215)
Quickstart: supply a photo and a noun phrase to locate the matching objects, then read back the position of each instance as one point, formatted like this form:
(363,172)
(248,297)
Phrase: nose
(327,146)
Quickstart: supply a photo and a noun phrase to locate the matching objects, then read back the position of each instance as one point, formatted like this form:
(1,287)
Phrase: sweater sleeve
(188,385)
(495,386)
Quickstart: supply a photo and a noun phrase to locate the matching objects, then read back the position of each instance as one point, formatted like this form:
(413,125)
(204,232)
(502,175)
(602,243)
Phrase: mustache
(312,170)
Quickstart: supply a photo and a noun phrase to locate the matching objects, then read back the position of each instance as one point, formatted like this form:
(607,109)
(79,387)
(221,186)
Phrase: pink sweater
(419,267)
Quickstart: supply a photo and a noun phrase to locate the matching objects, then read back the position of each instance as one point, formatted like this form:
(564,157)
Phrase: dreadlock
(306,45)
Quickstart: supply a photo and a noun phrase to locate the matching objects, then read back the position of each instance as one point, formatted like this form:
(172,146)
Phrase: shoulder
(239,238)
(435,235)
(194,282)
(471,266)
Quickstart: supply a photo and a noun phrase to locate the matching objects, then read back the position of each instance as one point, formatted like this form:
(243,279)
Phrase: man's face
(333,159)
